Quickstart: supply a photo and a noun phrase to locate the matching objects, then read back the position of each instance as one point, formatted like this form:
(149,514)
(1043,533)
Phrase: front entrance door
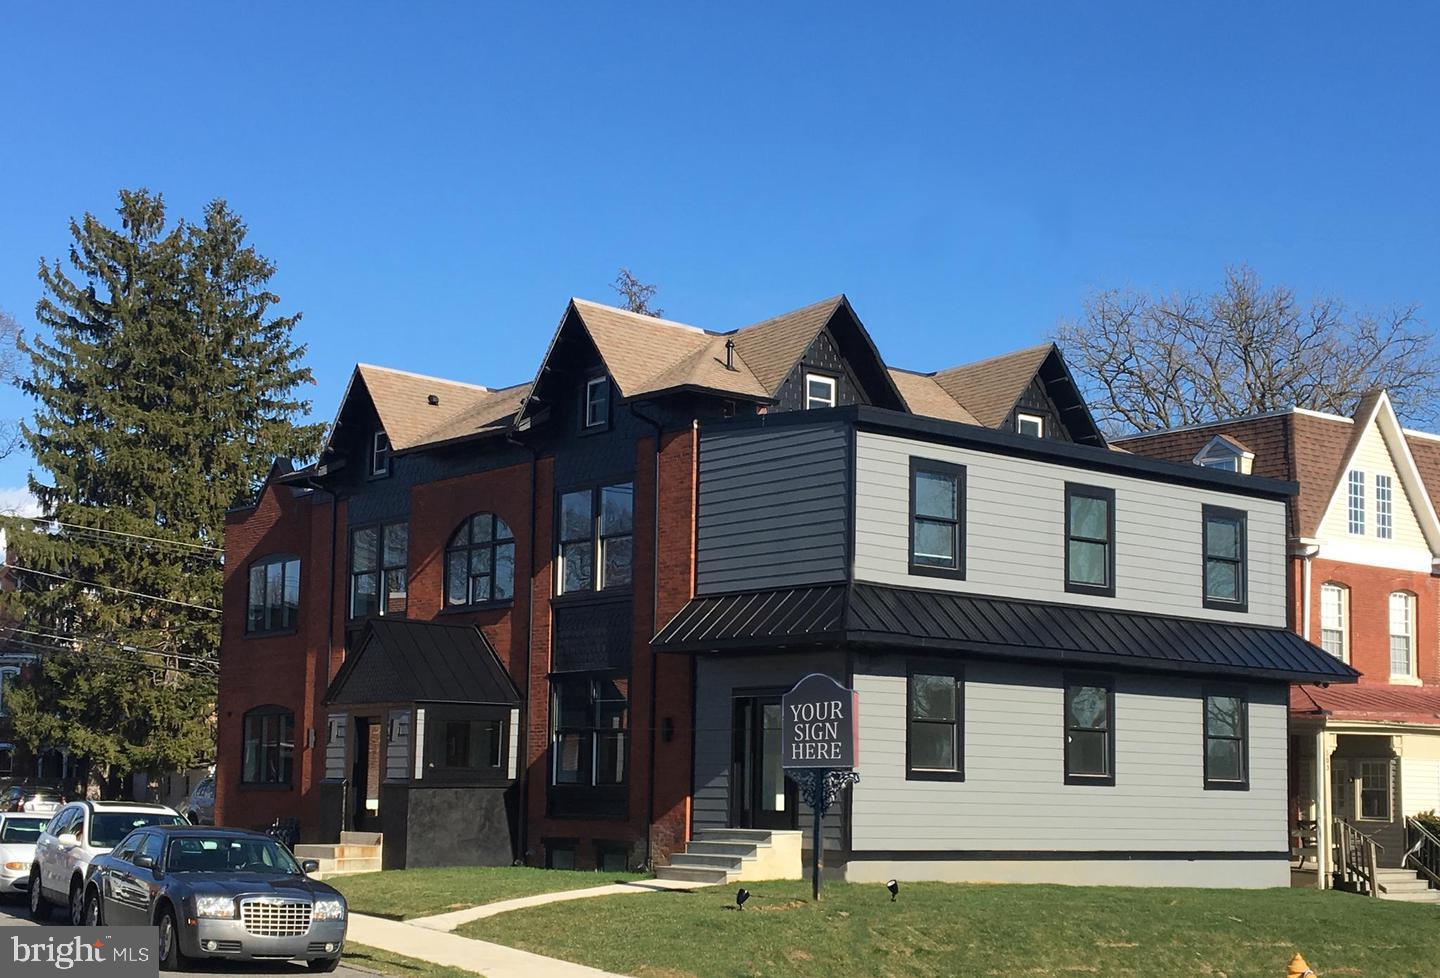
(365,775)
(761,797)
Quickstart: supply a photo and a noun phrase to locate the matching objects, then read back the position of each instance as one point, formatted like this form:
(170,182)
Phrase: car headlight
(16,867)
(215,906)
(328,910)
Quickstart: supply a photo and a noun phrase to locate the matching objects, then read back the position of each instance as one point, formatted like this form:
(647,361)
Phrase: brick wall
(1369,624)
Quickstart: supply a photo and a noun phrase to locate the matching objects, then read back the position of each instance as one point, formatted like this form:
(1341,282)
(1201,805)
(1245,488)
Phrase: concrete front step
(737,850)
(1402,885)
(361,839)
(691,874)
(752,836)
(337,852)
(692,860)
(1423,896)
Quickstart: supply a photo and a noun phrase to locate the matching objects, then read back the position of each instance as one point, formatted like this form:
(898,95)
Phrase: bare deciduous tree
(1152,361)
(637,294)
(9,367)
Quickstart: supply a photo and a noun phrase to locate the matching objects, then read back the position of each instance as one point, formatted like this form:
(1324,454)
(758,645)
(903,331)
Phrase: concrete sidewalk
(450,921)
(451,950)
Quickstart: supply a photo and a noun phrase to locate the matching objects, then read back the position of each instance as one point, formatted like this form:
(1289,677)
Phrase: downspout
(654,423)
(330,626)
(523,755)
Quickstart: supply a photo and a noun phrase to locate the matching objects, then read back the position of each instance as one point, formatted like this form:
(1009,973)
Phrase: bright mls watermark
(114,952)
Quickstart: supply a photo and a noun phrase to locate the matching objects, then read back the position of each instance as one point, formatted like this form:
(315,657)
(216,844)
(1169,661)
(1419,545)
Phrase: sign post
(818,745)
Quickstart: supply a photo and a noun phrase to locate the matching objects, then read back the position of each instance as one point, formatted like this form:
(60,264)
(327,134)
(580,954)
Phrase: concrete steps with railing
(728,855)
(1405,885)
(356,852)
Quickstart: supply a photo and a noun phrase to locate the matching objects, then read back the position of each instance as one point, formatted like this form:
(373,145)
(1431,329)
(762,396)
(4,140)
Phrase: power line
(119,533)
(117,590)
(116,657)
(84,639)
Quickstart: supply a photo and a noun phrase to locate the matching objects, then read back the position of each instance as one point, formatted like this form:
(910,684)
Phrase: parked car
(199,808)
(222,893)
(31,799)
(18,834)
(74,836)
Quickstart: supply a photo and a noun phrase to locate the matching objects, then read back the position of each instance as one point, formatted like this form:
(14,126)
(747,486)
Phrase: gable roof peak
(584,305)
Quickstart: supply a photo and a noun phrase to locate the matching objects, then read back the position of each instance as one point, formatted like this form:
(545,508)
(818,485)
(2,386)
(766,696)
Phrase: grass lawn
(408,893)
(938,929)
(374,959)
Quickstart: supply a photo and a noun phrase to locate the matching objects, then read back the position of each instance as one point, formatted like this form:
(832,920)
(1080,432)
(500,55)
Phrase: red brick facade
(1369,613)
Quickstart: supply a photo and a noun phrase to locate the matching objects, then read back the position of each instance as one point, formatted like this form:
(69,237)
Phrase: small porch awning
(1371,703)
(403,661)
(860,615)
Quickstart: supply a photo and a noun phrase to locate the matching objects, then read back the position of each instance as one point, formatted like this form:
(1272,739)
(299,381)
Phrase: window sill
(1406,681)
(1227,785)
(955,776)
(928,570)
(272,633)
(465,609)
(1216,604)
(1094,590)
(1099,781)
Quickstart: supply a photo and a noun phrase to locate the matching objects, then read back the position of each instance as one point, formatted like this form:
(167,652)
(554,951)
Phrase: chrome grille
(265,917)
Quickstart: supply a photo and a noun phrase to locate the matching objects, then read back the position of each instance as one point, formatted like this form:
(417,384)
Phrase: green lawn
(374,959)
(939,930)
(408,893)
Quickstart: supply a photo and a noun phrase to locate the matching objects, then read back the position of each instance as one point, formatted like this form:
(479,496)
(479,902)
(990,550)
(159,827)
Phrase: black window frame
(590,732)
(286,627)
(597,539)
(1206,694)
(609,847)
(957,674)
(1106,494)
(1240,518)
(285,766)
(381,571)
(437,771)
(927,466)
(492,546)
(603,424)
(378,463)
(554,845)
(1077,680)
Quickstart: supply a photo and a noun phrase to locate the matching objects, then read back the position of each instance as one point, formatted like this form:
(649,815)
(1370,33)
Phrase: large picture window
(1225,547)
(590,717)
(268,746)
(935,733)
(274,602)
(465,744)
(1227,752)
(1089,539)
(379,557)
(597,527)
(480,562)
(1089,731)
(937,518)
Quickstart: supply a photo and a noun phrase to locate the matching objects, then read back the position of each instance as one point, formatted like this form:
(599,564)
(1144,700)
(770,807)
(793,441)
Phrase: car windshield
(108,828)
(227,854)
(21,831)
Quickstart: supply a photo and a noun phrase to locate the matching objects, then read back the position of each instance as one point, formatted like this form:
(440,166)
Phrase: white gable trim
(1222,447)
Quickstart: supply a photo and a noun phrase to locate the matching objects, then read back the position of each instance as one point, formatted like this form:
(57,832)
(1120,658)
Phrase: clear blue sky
(434,180)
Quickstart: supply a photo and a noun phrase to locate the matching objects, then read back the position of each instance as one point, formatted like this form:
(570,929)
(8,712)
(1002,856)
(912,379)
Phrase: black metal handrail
(1357,862)
(1423,852)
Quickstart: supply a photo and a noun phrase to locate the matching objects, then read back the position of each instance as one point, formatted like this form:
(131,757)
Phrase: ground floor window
(1227,754)
(589,717)
(1089,731)
(1375,790)
(465,744)
(935,724)
(269,746)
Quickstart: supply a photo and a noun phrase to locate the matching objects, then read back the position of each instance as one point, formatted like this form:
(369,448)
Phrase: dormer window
(597,402)
(1226,455)
(819,391)
(1030,424)
(380,454)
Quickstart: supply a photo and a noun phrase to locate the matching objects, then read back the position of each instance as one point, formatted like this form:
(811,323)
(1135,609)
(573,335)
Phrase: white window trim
(1403,678)
(590,385)
(1020,420)
(376,467)
(1384,507)
(818,402)
(1359,776)
(1342,601)
(1351,485)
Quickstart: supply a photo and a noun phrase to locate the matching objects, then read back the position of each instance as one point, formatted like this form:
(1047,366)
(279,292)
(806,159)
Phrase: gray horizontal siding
(773,508)
(1015,526)
(335,730)
(397,748)
(1014,796)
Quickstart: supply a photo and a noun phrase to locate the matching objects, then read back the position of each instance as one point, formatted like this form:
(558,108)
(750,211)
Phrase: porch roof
(1370,701)
(404,661)
(862,615)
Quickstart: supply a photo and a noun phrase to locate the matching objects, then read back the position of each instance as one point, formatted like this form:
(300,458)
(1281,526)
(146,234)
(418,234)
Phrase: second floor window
(596,538)
(819,391)
(1355,503)
(1334,612)
(937,518)
(1384,508)
(1089,539)
(480,562)
(274,600)
(1402,635)
(1224,543)
(379,559)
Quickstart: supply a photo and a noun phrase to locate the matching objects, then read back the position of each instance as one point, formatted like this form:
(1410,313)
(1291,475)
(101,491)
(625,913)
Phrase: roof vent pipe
(433,399)
(730,354)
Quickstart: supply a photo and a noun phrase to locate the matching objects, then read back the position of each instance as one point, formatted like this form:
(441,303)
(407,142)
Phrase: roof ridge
(999,356)
(1257,416)
(644,316)
(418,376)
(837,298)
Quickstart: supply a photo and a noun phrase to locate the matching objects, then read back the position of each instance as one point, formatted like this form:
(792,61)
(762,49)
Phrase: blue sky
(434,180)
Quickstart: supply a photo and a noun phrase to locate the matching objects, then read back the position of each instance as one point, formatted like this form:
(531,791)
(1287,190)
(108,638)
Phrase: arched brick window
(480,562)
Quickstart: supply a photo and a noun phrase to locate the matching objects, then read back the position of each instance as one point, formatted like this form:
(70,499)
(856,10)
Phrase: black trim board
(1061,855)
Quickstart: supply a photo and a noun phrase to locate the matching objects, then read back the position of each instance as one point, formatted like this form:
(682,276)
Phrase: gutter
(523,762)
(654,423)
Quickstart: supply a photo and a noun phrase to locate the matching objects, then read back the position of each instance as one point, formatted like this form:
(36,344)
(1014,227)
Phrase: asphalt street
(16,914)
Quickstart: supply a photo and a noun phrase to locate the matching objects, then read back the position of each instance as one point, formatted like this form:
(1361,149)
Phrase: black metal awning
(403,661)
(872,616)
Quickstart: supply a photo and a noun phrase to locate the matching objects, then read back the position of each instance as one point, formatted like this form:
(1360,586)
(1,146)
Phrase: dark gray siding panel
(773,508)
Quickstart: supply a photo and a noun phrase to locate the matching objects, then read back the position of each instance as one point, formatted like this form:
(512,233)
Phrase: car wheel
(92,909)
(39,906)
(77,903)
(325,965)
(171,957)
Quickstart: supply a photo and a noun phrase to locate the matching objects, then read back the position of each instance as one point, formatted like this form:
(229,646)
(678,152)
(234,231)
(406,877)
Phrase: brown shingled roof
(989,389)
(925,397)
(772,347)
(402,401)
(1426,452)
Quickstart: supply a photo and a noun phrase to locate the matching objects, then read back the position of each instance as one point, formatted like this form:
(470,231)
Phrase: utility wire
(83,640)
(119,533)
(116,657)
(117,590)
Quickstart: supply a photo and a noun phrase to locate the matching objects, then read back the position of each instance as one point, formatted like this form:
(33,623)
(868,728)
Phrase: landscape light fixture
(894,888)
(741,895)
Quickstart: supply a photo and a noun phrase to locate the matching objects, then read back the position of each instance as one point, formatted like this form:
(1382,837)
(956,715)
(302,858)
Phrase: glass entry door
(761,797)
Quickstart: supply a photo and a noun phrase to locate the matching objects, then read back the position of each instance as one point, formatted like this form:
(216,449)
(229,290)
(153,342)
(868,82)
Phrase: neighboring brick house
(1364,553)
(476,624)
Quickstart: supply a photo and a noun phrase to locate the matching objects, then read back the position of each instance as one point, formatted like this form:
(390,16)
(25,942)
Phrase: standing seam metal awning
(870,615)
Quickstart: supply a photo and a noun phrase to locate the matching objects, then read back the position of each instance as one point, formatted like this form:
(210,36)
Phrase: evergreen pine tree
(165,388)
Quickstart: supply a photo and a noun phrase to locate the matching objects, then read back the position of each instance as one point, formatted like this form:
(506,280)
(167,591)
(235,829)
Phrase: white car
(18,833)
(75,835)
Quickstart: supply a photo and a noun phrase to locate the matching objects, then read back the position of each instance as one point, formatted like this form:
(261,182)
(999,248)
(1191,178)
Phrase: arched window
(1402,635)
(1335,620)
(269,746)
(480,562)
(274,603)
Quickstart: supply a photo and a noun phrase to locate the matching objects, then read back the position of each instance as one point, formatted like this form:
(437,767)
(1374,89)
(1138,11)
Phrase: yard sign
(819,738)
